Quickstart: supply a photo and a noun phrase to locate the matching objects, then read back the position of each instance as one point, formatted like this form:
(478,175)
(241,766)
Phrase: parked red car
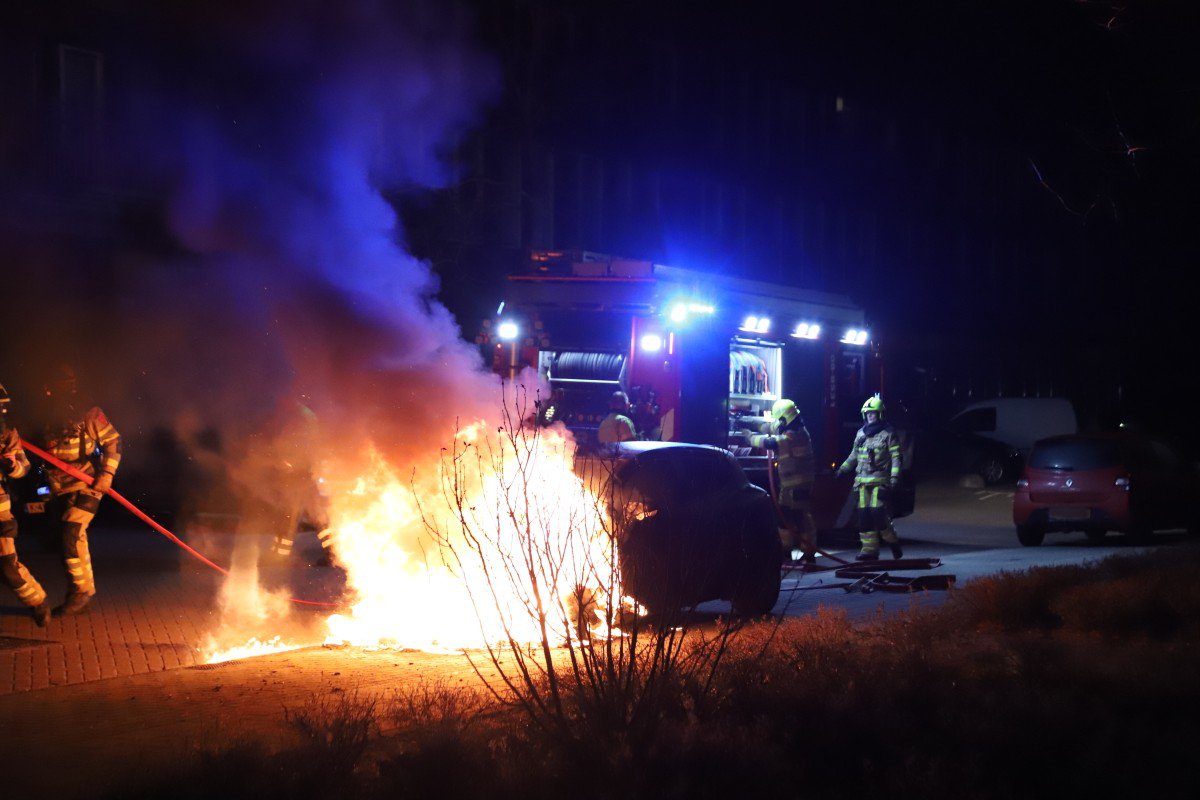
(1098,483)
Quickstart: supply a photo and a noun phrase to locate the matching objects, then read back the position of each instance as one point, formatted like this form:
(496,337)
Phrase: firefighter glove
(103,482)
(893,483)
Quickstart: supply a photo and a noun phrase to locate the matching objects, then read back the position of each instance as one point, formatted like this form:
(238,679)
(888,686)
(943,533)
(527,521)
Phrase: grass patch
(1074,681)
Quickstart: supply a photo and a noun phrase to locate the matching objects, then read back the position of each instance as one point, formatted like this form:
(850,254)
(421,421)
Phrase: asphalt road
(970,530)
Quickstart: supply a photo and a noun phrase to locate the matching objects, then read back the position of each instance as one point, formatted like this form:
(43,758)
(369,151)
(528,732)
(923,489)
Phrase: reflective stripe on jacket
(875,458)
(90,444)
(794,455)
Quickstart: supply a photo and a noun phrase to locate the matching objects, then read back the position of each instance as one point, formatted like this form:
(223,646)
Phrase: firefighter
(281,482)
(646,413)
(14,464)
(617,426)
(787,437)
(875,461)
(79,434)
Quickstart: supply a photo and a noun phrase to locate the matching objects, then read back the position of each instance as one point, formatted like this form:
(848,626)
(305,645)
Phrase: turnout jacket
(89,443)
(616,428)
(794,455)
(875,456)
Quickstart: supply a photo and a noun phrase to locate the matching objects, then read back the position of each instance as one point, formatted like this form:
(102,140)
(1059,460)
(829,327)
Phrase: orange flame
(484,548)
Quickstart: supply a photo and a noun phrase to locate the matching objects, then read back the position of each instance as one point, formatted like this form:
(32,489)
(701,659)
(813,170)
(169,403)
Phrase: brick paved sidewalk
(154,608)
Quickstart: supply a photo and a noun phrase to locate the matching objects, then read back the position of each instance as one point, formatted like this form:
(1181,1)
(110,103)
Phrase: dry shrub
(1014,600)
(1162,604)
(335,728)
(437,704)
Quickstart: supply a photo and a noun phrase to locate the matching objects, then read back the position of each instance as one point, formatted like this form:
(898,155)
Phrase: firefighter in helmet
(79,434)
(278,481)
(14,464)
(875,461)
(617,426)
(788,439)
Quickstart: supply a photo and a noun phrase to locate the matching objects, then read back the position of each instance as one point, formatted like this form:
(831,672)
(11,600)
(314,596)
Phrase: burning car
(691,527)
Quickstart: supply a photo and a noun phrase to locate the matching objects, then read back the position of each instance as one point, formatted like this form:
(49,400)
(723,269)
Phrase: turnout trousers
(78,510)
(874,521)
(795,505)
(28,590)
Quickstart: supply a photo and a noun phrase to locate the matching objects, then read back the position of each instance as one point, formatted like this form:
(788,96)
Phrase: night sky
(1007,187)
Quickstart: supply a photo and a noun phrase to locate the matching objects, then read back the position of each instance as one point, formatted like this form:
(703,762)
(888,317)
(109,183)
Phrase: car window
(1075,454)
(978,420)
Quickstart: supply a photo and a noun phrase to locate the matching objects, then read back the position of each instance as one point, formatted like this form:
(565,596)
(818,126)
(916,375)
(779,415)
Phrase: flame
(252,648)
(499,541)
(251,615)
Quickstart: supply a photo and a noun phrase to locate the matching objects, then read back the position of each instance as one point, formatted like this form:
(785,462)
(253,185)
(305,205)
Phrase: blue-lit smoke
(275,131)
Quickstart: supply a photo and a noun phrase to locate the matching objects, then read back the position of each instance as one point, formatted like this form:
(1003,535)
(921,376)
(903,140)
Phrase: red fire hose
(88,479)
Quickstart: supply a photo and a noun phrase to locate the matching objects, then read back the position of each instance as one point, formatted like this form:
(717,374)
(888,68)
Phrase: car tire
(1030,536)
(757,595)
(991,469)
(757,589)
(1095,535)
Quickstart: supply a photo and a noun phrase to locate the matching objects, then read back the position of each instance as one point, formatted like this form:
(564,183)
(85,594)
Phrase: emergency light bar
(508,330)
(807,330)
(753,324)
(855,336)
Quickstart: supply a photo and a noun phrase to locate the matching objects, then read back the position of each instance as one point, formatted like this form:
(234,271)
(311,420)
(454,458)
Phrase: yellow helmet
(873,404)
(784,410)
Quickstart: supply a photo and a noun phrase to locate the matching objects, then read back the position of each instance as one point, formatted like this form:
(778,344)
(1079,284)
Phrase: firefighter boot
(897,551)
(77,603)
(41,614)
(867,557)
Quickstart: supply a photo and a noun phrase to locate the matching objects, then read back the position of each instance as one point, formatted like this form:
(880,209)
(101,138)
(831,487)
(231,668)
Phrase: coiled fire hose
(137,512)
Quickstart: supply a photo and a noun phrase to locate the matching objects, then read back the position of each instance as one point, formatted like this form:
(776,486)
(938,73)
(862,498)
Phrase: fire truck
(699,354)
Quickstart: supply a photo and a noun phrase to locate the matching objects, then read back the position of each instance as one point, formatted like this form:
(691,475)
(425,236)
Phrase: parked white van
(1017,421)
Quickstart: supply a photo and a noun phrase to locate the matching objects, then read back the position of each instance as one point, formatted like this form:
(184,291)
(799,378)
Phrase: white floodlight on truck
(807,330)
(855,336)
(652,343)
(756,324)
(508,330)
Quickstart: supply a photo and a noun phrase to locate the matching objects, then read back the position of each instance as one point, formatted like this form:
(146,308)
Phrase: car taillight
(1023,483)
(1122,483)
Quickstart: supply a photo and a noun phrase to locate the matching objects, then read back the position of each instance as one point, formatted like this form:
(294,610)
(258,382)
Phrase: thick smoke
(268,134)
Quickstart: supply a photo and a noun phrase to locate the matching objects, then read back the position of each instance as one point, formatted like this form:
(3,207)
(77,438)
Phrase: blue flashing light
(680,310)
